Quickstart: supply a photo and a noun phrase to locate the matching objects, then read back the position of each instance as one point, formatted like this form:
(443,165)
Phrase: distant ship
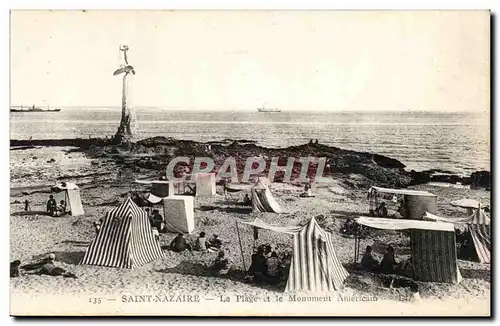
(268,110)
(34,108)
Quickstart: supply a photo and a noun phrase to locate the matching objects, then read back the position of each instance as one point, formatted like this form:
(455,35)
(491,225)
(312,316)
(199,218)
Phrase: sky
(241,60)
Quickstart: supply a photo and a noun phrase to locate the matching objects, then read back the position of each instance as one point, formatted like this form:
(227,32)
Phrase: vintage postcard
(250,163)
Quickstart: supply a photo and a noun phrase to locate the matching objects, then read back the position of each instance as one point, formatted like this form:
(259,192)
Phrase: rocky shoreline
(154,154)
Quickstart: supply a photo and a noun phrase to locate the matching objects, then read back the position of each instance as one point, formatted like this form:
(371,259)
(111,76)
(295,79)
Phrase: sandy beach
(33,235)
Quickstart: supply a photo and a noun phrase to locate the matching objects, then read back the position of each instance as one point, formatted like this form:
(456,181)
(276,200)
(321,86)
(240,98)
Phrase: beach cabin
(70,193)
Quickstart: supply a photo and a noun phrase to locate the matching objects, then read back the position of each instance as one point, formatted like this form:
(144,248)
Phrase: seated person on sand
(214,244)
(247,201)
(179,244)
(381,210)
(51,205)
(98,225)
(369,263)
(307,191)
(273,268)
(220,263)
(349,227)
(157,220)
(405,268)
(388,263)
(14,268)
(201,242)
(258,265)
(61,209)
(156,234)
(268,250)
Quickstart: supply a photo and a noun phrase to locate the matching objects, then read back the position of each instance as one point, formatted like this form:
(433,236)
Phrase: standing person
(51,205)
(27,207)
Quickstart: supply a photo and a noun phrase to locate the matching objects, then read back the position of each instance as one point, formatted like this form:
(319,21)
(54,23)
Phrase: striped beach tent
(315,266)
(125,239)
(479,225)
(433,247)
(263,199)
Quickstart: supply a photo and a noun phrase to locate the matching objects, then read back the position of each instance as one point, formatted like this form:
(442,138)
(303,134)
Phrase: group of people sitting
(180,244)
(56,210)
(266,266)
(388,265)
(350,228)
(44,267)
(382,211)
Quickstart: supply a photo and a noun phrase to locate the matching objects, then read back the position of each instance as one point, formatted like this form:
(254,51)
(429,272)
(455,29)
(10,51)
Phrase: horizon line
(254,109)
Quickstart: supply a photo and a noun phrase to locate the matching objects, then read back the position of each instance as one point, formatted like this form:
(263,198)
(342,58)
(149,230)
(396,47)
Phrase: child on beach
(61,209)
(214,244)
(220,263)
(201,242)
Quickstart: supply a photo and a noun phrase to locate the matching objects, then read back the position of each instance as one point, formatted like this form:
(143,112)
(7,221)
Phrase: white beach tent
(205,184)
(71,197)
(179,214)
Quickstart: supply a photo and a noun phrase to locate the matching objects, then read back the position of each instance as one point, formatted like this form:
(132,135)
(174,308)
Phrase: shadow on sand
(482,274)
(69,257)
(232,209)
(76,243)
(29,213)
(198,269)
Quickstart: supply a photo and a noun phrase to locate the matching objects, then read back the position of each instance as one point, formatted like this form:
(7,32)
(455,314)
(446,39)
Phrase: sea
(455,142)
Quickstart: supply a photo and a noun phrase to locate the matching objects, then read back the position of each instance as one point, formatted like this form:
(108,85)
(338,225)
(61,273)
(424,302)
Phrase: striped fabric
(263,200)
(434,256)
(480,228)
(125,239)
(315,266)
